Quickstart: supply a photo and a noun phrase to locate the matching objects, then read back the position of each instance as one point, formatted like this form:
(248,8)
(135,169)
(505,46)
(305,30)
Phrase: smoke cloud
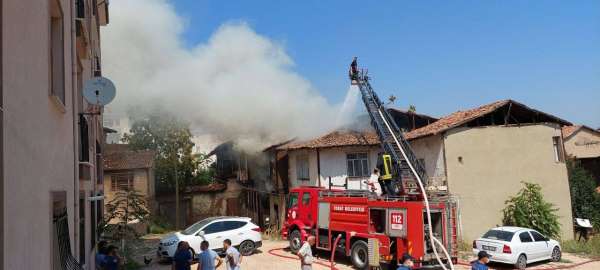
(237,85)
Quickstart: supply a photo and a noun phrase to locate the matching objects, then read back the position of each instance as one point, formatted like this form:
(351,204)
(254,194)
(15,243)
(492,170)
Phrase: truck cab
(301,212)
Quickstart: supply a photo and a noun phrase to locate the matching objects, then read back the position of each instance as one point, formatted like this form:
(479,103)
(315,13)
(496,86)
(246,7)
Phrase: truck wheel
(295,240)
(359,255)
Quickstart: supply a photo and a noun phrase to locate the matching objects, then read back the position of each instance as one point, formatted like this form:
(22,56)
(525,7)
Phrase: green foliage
(529,209)
(585,201)
(590,248)
(125,207)
(159,225)
(171,139)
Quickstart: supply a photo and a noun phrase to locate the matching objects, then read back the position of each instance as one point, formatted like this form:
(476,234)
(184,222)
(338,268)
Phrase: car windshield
(196,227)
(499,235)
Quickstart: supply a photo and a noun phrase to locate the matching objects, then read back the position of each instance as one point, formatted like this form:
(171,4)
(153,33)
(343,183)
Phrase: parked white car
(244,235)
(517,246)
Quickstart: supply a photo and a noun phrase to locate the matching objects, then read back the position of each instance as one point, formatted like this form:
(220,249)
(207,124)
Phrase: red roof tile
(334,139)
(119,157)
(567,131)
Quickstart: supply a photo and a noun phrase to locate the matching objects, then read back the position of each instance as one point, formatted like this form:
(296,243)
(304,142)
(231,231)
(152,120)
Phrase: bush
(590,248)
(584,200)
(529,209)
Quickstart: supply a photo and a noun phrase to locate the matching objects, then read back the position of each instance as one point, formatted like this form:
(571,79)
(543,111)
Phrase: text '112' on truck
(377,230)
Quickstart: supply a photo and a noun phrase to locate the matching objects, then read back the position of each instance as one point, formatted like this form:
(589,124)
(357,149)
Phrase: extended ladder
(392,140)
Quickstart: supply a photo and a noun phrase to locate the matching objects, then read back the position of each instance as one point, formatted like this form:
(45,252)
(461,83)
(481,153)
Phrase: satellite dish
(99,91)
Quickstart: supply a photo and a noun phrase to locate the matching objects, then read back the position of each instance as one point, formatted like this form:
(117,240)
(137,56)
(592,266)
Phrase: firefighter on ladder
(384,166)
(353,72)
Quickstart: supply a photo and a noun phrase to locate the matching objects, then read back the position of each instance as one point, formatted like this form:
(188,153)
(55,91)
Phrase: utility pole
(176,200)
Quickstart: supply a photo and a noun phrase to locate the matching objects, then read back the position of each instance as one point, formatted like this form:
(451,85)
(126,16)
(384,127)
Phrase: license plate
(488,248)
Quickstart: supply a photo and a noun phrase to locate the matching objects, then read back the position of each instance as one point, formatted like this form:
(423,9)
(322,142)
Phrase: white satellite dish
(99,91)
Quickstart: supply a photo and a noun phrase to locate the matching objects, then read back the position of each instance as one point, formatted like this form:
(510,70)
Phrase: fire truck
(377,230)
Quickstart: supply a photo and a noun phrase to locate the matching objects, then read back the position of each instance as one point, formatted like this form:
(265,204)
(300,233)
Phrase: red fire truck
(374,230)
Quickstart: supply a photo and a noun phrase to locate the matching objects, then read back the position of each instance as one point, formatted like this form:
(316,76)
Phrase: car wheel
(360,254)
(295,240)
(521,262)
(247,248)
(556,254)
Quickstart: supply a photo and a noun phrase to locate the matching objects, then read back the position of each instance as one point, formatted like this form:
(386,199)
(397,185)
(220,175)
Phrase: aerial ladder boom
(401,166)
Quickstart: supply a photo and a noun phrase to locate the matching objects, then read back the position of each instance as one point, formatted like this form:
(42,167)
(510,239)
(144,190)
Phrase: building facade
(52,146)
(582,143)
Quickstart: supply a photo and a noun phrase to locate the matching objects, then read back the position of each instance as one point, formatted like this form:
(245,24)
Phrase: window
(305,198)
(559,155)
(525,237)
(358,165)
(499,235)
(121,182)
(195,227)
(214,227)
(57,52)
(293,200)
(84,140)
(538,237)
(232,225)
(82,228)
(302,171)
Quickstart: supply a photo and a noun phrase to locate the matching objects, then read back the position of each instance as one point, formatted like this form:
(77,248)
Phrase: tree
(126,207)
(529,209)
(585,201)
(171,139)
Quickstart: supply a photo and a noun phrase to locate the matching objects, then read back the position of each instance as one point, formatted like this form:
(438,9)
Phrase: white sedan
(517,246)
(244,235)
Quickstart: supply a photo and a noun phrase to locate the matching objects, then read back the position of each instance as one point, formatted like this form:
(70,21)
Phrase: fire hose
(558,267)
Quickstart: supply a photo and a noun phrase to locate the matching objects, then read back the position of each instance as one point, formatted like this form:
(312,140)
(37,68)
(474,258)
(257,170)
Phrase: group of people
(207,258)
(107,257)
(406,262)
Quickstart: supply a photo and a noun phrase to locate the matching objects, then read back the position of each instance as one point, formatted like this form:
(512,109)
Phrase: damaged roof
(460,118)
(120,157)
(335,139)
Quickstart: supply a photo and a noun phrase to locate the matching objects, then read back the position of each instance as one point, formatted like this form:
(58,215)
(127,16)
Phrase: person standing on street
(101,254)
(207,258)
(233,258)
(305,253)
(112,259)
(406,262)
(182,260)
(482,259)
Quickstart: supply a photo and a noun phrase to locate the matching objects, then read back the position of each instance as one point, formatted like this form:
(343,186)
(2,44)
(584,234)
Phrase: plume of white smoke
(238,85)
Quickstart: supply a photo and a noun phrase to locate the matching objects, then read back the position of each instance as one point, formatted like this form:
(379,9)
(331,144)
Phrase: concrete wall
(431,150)
(41,135)
(333,164)
(583,144)
(494,160)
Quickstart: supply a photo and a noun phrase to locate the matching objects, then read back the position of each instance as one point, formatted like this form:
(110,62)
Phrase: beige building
(479,155)
(125,169)
(583,144)
(49,167)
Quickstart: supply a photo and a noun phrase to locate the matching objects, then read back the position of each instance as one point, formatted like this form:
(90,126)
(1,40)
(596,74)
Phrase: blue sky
(441,56)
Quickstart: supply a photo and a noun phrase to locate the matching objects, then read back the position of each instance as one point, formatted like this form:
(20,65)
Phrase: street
(273,255)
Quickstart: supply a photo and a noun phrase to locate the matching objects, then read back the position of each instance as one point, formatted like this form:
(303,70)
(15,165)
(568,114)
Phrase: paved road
(263,260)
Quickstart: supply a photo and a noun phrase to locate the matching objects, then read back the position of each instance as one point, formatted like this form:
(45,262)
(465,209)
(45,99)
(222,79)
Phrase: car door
(213,234)
(292,207)
(527,245)
(305,206)
(233,230)
(542,247)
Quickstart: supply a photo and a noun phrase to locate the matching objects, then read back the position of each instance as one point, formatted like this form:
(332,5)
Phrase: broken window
(559,155)
(302,169)
(358,165)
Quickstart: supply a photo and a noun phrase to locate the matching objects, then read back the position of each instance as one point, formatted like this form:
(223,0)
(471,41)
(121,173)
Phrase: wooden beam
(507,114)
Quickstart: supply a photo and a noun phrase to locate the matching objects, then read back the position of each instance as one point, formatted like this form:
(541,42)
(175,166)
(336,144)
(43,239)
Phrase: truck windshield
(499,235)
(293,200)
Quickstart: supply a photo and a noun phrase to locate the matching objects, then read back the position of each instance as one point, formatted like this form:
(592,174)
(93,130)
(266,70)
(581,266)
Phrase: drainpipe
(75,218)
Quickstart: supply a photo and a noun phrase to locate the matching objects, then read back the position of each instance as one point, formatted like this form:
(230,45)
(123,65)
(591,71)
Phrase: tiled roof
(118,157)
(567,131)
(334,139)
(462,117)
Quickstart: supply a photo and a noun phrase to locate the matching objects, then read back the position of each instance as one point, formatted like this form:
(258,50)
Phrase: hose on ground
(272,252)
